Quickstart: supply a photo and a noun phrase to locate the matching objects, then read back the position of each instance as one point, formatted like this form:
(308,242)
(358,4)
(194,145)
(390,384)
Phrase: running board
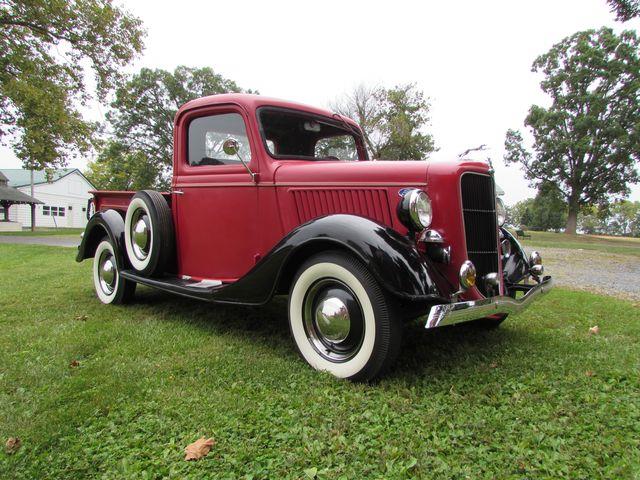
(200,290)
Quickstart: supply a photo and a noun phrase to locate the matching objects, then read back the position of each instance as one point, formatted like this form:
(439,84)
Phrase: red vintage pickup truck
(271,197)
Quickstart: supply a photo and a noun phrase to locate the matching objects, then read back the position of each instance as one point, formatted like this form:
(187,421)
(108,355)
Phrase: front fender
(391,258)
(516,265)
(108,223)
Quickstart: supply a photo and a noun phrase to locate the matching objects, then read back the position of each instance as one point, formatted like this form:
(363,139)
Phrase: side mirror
(231,147)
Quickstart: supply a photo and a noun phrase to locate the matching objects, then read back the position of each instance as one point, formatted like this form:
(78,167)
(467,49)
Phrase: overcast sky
(473,59)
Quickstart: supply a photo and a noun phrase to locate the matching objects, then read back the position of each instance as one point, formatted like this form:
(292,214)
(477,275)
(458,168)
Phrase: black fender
(515,267)
(391,258)
(108,223)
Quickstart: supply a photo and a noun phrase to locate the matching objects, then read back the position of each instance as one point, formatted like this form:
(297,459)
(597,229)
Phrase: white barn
(64,196)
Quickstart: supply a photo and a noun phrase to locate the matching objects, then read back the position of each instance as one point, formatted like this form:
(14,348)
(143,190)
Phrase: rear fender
(110,224)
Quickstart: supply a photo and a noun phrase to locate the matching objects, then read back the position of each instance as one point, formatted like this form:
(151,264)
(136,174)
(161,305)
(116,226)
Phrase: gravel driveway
(608,273)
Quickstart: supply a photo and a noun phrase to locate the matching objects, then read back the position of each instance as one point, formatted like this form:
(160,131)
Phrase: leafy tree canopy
(392,120)
(625,9)
(621,218)
(48,49)
(588,141)
(118,168)
(547,211)
(141,119)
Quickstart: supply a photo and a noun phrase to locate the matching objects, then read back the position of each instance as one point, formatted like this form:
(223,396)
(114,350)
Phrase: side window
(207,134)
(342,147)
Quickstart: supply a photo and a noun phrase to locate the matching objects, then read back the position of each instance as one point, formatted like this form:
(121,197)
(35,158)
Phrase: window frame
(181,159)
(359,141)
(235,162)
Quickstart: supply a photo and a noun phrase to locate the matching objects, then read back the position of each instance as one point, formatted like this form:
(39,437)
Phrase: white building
(64,196)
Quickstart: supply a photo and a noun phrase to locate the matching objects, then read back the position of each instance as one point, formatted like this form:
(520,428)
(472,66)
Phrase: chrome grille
(481,230)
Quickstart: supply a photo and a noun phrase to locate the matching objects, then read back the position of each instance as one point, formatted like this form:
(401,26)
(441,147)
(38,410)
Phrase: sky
(473,59)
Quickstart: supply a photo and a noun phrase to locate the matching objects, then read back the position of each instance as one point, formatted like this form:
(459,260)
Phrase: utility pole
(33,207)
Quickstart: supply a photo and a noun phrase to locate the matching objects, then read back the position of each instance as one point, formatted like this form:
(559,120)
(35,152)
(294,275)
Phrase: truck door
(214,197)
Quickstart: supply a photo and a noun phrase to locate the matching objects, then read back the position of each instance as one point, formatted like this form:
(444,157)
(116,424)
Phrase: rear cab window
(297,135)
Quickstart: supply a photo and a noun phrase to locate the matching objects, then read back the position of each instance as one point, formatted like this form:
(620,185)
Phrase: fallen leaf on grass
(594,330)
(12,445)
(589,373)
(198,449)
(74,363)
(493,365)
(82,318)
(311,472)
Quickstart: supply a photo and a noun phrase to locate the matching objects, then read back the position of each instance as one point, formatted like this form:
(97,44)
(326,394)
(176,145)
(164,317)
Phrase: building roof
(19,177)
(11,195)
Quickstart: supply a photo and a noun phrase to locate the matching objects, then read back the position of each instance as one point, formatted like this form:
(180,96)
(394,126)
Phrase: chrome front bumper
(450,313)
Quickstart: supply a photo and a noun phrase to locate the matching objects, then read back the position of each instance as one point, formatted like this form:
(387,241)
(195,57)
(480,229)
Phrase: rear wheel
(148,233)
(109,285)
(340,319)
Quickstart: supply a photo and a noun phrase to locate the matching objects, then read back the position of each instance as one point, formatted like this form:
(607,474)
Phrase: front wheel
(109,285)
(341,320)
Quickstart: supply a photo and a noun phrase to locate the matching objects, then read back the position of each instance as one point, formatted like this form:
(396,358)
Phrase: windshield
(291,134)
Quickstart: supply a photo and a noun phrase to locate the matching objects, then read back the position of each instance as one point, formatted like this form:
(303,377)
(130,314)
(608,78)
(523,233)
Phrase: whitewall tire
(109,285)
(148,233)
(340,319)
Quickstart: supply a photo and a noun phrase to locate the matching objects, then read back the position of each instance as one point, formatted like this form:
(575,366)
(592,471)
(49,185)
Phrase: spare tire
(148,233)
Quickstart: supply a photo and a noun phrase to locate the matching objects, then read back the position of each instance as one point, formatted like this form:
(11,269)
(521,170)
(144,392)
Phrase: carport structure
(11,196)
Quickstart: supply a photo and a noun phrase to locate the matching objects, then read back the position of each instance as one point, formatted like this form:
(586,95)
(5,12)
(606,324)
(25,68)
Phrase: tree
(624,219)
(587,142)
(391,119)
(48,50)
(625,9)
(548,209)
(591,222)
(117,168)
(142,114)
(520,214)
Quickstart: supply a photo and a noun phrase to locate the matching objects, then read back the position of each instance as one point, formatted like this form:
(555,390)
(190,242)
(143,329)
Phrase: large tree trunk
(572,217)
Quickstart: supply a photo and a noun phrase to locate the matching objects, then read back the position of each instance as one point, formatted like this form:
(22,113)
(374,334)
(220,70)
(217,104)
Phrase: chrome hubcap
(333,320)
(107,273)
(140,235)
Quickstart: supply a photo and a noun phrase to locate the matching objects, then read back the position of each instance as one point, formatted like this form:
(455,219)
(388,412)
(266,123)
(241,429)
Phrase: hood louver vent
(370,203)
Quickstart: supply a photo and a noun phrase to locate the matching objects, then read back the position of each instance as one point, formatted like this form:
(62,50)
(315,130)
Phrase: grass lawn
(624,245)
(44,231)
(538,398)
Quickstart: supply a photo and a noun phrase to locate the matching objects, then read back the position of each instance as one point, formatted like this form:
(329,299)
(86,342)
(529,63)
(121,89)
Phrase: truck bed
(117,199)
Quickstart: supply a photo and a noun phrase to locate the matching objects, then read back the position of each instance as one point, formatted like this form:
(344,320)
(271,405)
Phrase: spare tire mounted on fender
(148,233)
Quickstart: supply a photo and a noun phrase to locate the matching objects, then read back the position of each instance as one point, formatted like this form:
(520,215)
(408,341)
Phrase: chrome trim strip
(450,313)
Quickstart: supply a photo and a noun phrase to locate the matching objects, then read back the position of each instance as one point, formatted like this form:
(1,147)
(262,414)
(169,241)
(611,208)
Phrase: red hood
(407,173)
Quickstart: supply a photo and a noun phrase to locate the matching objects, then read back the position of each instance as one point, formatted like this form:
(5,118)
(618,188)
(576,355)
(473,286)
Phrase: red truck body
(271,197)
(225,223)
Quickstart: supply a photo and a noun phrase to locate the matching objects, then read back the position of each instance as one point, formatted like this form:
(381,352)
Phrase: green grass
(623,245)
(45,231)
(156,375)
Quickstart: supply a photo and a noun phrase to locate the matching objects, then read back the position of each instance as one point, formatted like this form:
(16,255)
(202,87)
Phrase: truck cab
(270,197)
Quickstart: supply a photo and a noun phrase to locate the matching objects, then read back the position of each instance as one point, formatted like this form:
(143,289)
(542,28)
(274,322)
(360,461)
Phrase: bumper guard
(450,313)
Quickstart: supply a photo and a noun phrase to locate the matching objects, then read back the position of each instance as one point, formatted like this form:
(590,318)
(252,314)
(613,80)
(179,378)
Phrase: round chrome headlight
(415,210)
(501,211)
(535,258)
